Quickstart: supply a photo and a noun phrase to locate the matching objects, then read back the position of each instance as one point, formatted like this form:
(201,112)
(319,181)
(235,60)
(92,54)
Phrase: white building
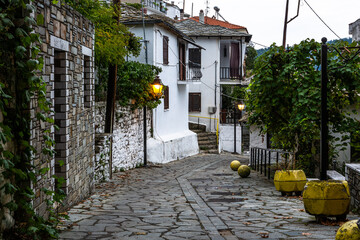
(354,30)
(221,65)
(167,48)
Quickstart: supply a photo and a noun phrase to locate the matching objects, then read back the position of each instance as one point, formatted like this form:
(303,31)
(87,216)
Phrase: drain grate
(225,200)
(228,193)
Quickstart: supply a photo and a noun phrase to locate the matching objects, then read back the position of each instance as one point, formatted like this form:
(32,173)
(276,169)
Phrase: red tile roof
(215,22)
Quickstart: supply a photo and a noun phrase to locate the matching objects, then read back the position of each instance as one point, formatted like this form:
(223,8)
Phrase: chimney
(201,17)
(172,2)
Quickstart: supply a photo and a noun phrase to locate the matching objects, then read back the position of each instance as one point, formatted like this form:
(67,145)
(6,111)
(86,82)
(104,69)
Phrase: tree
(284,98)
(251,55)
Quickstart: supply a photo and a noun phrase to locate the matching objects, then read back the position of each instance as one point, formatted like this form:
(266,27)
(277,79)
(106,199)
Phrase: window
(166,98)
(87,81)
(195,63)
(165,50)
(194,58)
(194,102)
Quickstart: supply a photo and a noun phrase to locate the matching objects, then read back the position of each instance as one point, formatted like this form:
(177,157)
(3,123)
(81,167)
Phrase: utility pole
(286,20)
(111,93)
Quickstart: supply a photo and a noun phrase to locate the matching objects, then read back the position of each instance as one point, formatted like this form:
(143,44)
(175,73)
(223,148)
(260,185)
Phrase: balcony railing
(230,73)
(227,116)
(156,4)
(190,73)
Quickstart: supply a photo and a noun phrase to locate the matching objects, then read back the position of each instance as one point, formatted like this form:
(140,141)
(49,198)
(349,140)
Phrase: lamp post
(241,107)
(157,87)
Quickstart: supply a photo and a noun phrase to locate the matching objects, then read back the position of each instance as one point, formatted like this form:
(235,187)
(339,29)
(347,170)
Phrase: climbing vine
(22,87)
(113,42)
(284,98)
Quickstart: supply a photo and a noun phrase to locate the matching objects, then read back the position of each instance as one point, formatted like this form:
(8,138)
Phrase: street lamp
(241,106)
(157,87)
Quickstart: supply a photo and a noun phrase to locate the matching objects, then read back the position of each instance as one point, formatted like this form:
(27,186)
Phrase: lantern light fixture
(157,85)
(241,106)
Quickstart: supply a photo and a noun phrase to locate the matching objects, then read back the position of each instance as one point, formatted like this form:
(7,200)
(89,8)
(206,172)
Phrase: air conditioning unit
(212,110)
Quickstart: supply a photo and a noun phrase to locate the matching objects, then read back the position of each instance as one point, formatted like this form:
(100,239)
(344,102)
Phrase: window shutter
(194,57)
(182,61)
(194,102)
(165,50)
(166,97)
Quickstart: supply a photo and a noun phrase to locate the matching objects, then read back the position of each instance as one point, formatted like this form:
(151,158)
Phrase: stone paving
(195,198)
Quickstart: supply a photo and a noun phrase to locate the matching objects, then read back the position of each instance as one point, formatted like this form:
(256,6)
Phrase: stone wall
(352,175)
(67,50)
(128,141)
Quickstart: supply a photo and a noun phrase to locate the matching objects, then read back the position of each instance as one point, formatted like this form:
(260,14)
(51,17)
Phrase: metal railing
(230,73)
(191,73)
(261,159)
(156,4)
(227,116)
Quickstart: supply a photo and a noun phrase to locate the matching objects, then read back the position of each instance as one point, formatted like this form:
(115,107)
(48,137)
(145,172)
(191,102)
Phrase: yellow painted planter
(290,181)
(349,231)
(327,198)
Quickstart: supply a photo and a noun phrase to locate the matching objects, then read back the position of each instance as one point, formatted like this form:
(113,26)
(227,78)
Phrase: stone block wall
(352,175)
(128,141)
(68,51)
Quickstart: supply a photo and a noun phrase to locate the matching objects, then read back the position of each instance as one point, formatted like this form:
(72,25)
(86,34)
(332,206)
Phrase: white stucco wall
(257,139)
(172,137)
(207,87)
(226,138)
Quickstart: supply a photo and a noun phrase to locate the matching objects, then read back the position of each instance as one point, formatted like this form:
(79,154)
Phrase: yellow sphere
(244,171)
(235,165)
(349,231)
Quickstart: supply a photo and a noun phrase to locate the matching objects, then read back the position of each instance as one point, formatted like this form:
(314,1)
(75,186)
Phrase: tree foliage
(134,85)
(284,98)
(251,55)
(113,42)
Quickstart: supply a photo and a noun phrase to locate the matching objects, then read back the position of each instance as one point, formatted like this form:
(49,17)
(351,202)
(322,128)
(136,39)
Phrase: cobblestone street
(195,198)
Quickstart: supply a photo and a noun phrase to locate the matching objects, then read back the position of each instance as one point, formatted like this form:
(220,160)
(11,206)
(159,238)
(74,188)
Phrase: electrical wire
(321,19)
(259,44)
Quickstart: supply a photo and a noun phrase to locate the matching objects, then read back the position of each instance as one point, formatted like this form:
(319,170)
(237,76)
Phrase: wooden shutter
(194,57)
(165,50)
(182,62)
(166,97)
(194,102)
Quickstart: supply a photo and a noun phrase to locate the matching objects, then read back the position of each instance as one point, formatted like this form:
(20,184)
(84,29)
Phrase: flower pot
(327,199)
(290,181)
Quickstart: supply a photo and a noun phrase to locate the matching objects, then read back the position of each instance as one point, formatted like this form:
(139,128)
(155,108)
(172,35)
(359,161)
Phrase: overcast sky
(264,19)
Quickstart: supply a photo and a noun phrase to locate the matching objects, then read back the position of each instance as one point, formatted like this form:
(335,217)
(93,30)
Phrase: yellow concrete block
(328,198)
(349,231)
(290,180)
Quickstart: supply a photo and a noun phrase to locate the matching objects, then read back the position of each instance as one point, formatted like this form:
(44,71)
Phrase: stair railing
(217,125)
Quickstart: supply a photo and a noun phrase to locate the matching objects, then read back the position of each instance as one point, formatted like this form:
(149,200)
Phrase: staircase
(207,141)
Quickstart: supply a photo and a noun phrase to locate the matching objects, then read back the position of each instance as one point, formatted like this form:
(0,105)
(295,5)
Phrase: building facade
(166,47)
(221,67)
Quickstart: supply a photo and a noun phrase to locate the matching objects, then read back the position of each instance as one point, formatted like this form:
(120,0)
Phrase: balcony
(227,73)
(189,73)
(158,5)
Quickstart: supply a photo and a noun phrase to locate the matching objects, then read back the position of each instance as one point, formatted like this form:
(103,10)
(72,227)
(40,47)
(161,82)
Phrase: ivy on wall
(21,86)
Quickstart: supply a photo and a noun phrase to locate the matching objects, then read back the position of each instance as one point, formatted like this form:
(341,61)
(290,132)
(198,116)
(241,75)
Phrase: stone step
(212,151)
(200,137)
(206,143)
(207,147)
